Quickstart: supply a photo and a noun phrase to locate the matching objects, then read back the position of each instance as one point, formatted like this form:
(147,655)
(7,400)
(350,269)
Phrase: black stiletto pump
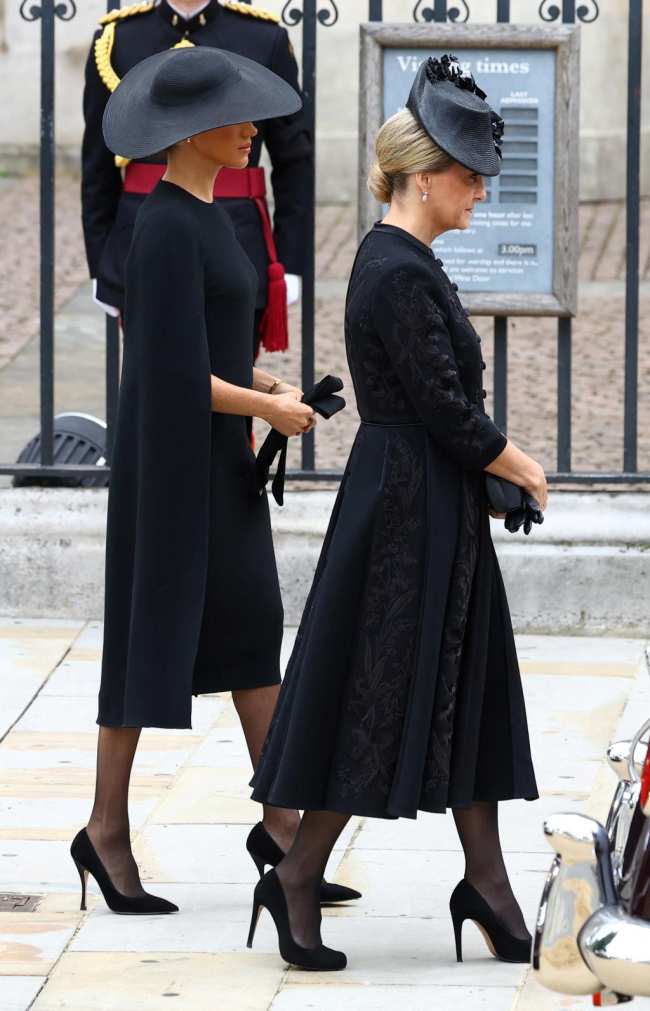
(269,894)
(468,904)
(264,850)
(88,862)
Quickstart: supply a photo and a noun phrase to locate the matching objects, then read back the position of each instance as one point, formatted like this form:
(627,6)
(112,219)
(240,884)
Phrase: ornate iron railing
(311,15)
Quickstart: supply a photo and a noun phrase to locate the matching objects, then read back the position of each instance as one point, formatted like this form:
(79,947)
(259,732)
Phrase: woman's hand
(535,484)
(496,516)
(516,466)
(288,415)
(282,409)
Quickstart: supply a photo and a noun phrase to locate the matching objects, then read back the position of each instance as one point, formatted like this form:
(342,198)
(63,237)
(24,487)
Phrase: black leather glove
(520,508)
(525,515)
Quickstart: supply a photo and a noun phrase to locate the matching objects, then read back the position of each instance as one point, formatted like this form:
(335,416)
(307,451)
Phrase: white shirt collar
(184,15)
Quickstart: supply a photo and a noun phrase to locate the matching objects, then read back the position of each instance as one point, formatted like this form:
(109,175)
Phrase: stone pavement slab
(56,711)
(212,918)
(420,885)
(421,997)
(26,949)
(56,808)
(18,992)
(579,655)
(73,754)
(31,650)
(198,798)
(190,815)
(519,822)
(202,852)
(130,982)
(36,865)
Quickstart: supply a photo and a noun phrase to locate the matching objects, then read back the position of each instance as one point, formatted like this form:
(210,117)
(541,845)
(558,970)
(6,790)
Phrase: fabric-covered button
(484,394)
(483,366)
(455,286)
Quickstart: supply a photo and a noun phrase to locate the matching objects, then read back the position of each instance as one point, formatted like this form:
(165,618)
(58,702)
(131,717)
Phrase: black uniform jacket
(109,214)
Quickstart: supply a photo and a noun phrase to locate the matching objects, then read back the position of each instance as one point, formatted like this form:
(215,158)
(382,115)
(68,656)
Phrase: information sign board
(519,254)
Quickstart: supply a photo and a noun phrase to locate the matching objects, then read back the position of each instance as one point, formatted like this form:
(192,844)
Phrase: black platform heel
(468,904)
(264,850)
(88,862)
(269,895)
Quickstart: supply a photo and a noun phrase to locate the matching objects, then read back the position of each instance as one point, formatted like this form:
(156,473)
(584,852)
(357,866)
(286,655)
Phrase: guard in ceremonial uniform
(113,188)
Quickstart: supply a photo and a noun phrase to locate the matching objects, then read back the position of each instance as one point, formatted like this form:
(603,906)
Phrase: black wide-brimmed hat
(451,108)
(182,92)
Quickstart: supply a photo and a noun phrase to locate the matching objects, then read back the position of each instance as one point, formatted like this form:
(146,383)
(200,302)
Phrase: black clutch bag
(520,508)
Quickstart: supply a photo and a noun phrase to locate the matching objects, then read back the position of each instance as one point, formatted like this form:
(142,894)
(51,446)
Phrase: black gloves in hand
(322,397)
(525,515)
(520,508)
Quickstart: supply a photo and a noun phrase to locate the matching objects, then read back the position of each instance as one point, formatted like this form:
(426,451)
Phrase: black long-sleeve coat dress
(403,691)
(108,213)
(192,600)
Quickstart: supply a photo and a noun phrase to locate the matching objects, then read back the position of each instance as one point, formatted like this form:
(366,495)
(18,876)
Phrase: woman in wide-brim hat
(415,703)
(192,597)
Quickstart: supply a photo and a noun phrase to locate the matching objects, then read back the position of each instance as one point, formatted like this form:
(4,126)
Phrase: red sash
(247,184)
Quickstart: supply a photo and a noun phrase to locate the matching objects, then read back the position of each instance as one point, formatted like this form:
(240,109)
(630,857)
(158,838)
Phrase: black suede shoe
(88,862)
(264,850)
(468,904)
(269,894)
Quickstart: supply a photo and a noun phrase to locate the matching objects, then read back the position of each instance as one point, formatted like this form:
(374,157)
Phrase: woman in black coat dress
(403,692)
(192,597)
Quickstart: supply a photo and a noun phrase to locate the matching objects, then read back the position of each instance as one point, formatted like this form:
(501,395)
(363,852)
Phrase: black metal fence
(313,16)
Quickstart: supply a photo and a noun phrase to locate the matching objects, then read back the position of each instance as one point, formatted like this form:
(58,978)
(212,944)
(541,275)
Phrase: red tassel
(274,327)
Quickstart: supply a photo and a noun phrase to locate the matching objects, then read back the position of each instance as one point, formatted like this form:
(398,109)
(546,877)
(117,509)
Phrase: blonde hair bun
(380,184)
(402,148)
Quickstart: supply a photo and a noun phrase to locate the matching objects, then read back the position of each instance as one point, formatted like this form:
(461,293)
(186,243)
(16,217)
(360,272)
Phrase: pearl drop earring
(425,197)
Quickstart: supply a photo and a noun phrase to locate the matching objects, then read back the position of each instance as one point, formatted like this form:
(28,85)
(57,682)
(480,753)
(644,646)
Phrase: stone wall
(604,95)
(585,571)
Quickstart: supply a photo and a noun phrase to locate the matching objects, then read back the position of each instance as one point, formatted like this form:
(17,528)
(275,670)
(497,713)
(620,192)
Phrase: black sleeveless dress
(192,595)
(403,691)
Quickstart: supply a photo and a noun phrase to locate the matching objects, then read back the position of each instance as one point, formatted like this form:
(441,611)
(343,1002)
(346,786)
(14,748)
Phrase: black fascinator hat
(451,108)
(182,92)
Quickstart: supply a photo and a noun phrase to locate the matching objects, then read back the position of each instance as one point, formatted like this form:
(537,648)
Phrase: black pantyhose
(108,827)
(255,708)
(478,830)
(302,869)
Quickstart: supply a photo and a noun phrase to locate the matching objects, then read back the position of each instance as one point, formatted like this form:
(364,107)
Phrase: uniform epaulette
(253,12)
(103,50)
(127,12)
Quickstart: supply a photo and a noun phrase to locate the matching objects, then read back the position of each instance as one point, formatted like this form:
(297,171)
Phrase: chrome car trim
(635,767)
(579,882)
(618,758)
(618,823)
(616,947)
